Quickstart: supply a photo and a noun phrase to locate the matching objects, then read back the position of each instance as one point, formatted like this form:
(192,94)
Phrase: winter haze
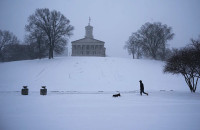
(80,89)
(113,20)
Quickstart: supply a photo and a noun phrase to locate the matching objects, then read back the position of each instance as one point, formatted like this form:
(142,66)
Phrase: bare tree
(133,45)
(54,25)
(152,39)
(6,38)
(187,63)
(37,42)
(195,45)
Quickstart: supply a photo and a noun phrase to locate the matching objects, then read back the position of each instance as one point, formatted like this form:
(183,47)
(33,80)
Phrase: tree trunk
(196,83)
(39,48)
(187,80)
(133,54)
(50,53)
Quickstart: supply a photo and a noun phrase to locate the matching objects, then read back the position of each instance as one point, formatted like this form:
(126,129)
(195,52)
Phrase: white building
(88,46)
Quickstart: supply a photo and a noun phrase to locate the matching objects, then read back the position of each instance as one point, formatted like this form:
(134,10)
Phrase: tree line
(47,32)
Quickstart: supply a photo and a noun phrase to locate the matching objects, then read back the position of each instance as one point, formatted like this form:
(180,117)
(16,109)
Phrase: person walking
(142,88)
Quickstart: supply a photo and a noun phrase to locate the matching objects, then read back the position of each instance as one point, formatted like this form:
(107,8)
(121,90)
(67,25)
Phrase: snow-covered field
(80,96)
(88,74)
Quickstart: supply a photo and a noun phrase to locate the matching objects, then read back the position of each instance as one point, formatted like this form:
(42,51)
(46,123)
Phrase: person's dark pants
(143,92)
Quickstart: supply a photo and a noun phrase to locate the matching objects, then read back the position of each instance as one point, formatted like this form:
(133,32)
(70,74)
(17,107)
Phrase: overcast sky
(113,20)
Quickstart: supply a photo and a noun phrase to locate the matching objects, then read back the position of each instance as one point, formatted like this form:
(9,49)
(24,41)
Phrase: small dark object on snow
(117,95)
(43,91)
(24,91)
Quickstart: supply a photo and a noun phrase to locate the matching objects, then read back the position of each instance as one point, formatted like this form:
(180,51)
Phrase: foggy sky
(113,20)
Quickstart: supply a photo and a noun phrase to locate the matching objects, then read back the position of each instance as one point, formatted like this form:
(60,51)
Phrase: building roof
(87,40)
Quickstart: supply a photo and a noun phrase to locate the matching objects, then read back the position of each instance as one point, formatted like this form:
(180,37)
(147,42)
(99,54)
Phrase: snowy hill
(88,74)
(89,109)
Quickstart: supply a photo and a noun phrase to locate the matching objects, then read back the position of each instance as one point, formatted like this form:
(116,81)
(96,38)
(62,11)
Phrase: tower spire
(89,21)
(88,30)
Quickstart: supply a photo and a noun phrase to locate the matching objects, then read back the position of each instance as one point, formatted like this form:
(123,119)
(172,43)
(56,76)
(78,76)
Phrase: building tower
(89,30)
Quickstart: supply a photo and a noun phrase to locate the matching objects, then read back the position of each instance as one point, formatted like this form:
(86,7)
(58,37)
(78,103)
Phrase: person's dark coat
(141,87)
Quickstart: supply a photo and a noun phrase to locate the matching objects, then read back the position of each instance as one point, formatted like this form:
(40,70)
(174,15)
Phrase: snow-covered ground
(60,111)
(88,74)
(80,93)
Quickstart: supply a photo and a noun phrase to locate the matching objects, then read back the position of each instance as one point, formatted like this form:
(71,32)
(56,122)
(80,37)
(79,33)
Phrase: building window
(83,47)
(88,47)
(79,47)
(92,47)
(100,46)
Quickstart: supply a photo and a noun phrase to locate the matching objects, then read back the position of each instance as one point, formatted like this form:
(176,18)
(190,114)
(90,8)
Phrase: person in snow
(142,88)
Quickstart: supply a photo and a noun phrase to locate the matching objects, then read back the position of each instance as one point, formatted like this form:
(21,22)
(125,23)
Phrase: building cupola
(89,30)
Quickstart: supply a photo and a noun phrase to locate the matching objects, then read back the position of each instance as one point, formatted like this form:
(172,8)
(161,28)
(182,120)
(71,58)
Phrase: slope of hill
(88,74)
(169,110)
